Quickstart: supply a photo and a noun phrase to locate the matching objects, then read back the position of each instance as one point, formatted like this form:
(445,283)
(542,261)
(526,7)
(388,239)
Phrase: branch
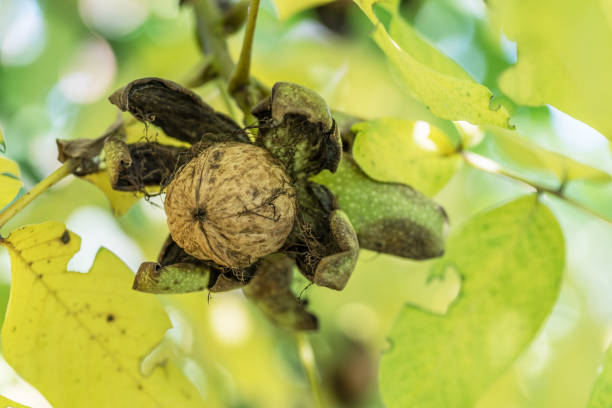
(64,170)
(487,165)
(209,24)
(240,78)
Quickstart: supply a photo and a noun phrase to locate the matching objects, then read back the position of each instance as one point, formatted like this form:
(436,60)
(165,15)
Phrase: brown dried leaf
(87,148)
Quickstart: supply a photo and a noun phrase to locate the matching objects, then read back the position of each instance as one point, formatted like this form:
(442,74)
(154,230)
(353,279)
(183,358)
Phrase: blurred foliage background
(59,60)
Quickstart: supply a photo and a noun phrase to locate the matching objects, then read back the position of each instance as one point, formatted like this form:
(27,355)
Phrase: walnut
(232,204)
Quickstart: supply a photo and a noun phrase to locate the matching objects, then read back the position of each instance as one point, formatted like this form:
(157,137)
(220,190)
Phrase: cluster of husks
(241,212)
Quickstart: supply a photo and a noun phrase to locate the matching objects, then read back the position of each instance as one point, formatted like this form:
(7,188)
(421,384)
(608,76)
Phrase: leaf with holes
(77,337)
(564,58)
(510,261)
(433,78)
(10,183)
(407,152)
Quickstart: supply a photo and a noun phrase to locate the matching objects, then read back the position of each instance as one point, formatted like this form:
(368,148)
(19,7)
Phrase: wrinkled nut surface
(232,204)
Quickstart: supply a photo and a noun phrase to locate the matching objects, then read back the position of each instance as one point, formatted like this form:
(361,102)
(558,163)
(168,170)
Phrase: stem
(241,75)
(309,364)
(226,99)
(485,164)
(63,171)
(212,37)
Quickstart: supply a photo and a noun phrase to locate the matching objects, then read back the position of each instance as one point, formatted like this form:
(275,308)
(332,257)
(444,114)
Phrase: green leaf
(10,183)
(409,152)
(2,143)
(79,338)
(564,59)
(434,79)
(412,43)
(511,148)
(7,403)
(388,217)
(287,8)
(601,395)
(510,260)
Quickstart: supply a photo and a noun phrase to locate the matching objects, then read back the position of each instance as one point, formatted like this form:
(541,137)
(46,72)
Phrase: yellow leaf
(120,201)
(79,338)
(7,403)
(140,132)
(287,8)
(9,181)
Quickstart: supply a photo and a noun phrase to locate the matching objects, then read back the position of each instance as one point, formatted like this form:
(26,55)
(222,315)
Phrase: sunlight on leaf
(7,403)
(120,201)
(411,42)
(511,147)
(388,217)
(408,152)
(439,83)
(601,395)
(80,338)
(10,184)
(564,59)
(510,260)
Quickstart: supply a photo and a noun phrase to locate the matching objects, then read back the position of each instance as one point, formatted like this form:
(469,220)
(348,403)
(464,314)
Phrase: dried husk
(232,204)
(270,291)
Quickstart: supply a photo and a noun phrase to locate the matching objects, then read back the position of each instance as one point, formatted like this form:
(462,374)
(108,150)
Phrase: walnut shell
(232,204)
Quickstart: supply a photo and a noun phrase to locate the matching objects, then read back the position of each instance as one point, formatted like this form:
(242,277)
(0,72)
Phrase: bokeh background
(60,59)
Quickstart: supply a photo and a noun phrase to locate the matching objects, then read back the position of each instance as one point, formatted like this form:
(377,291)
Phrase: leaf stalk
(209,25)
(240,78)
(487,165)
(64,170)
(308,362)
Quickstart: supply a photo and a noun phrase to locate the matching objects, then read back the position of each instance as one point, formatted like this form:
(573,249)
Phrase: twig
(63,171)
(209,23)
(226,99)
(240,78)
(485,164)
(309,363)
